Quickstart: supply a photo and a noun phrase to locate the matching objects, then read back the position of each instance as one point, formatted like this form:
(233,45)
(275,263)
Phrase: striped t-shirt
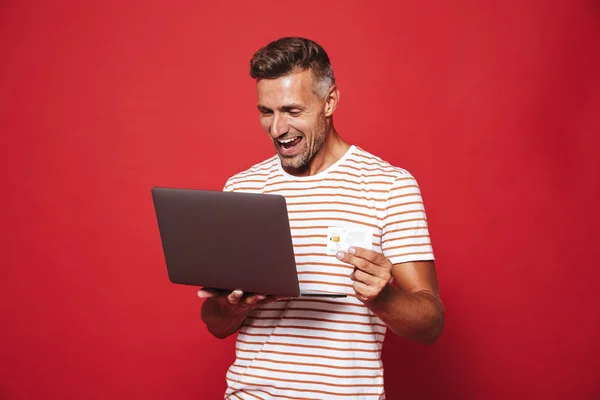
(316,348)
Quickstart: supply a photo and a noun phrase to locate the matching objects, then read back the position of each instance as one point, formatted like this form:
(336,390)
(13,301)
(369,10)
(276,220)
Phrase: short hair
(293,54)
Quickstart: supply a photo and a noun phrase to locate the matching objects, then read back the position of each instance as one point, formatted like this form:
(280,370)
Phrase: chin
(296,162)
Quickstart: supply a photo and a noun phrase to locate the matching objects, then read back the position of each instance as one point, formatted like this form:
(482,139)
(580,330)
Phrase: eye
(295,112)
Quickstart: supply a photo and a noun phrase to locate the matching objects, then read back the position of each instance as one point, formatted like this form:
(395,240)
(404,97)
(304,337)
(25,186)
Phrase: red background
(494,106)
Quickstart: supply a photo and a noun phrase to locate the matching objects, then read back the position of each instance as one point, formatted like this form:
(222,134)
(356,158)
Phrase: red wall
(493,106)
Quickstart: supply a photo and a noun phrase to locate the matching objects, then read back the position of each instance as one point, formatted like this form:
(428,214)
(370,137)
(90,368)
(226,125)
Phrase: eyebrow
(262,108)
(291,107)
(285,108)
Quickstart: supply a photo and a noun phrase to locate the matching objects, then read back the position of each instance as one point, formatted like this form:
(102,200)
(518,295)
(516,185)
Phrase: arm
(224,312)
(413,309)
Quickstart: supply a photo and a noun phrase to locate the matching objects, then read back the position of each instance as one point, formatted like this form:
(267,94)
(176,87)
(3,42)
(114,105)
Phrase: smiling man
(326,348)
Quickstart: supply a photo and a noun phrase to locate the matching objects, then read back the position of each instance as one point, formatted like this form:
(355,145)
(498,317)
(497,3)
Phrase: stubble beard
(302,160)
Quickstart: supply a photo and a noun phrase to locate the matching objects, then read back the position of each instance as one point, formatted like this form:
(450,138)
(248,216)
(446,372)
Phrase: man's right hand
(235,302)
(225,311)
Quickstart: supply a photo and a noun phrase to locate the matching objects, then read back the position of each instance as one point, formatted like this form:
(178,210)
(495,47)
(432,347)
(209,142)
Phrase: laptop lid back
(227,240)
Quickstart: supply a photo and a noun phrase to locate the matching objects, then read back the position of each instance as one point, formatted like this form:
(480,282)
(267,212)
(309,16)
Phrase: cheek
(306,127)
(266,124)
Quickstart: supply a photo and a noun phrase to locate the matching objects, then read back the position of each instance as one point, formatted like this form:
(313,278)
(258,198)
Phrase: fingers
(232,297)
(250,299)
(254,298)
(367,279)
(368,293)
(371,275)
(206,293)
(235,297)
(369,255)
(363,292)
(367,285)
(268,299)
(381,268)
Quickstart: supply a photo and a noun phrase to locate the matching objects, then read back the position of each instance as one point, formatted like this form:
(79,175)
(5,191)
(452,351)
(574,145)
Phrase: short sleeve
(228,186)
(405,234)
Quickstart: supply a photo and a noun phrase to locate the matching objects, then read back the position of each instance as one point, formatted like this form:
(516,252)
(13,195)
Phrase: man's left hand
(372,273)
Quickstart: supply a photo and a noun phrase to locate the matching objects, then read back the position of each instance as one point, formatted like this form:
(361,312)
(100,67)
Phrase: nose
(279,125)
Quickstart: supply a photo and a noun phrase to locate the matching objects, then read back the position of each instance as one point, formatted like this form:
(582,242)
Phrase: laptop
(228,240)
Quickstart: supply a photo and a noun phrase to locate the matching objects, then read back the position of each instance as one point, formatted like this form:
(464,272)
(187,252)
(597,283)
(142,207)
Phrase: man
(326,348)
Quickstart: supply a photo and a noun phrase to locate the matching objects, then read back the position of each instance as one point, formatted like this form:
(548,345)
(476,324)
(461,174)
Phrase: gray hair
(291,54)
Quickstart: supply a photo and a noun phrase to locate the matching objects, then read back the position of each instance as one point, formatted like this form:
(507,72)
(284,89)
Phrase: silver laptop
(226,240)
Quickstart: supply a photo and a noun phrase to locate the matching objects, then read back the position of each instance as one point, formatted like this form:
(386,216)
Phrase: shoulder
(371,164)
(258,173)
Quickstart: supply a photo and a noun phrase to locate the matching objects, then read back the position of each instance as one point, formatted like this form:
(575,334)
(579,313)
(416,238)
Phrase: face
(294,117)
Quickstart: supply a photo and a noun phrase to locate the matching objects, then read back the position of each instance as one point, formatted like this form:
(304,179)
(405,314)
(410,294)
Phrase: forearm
(416,316)
(218,321)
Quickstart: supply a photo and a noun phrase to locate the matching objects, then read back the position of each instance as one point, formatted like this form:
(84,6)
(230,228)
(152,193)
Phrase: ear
(332,99)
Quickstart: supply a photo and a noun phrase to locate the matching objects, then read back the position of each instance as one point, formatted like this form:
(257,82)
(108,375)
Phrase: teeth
(286,141)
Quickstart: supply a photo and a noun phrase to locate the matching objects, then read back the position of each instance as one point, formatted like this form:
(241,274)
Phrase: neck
(333,149)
